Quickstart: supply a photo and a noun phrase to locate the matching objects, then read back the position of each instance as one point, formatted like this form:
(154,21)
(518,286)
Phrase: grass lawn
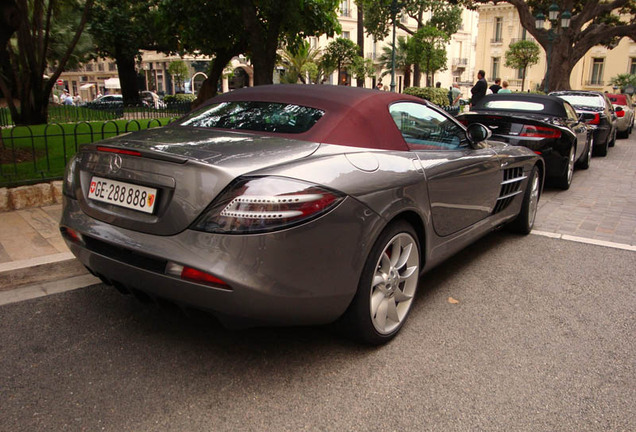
(29,154)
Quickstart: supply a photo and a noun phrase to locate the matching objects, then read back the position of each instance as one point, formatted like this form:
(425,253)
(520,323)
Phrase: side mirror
(476,133)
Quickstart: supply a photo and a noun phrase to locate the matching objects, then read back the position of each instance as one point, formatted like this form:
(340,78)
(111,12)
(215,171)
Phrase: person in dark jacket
(479,89)
(496,86)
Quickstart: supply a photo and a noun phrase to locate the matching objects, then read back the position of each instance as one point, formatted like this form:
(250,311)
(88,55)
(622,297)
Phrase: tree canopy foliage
(521,55)
(29,44)
(121,29)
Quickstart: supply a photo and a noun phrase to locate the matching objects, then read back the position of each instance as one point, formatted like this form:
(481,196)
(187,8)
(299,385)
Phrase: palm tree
(296,60)
(403,61)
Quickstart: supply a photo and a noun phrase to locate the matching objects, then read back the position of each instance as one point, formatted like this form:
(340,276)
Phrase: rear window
(255,116)
(514,105)
(583,100)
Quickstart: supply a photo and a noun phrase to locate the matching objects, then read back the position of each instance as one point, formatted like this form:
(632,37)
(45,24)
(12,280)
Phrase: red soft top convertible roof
(353,116)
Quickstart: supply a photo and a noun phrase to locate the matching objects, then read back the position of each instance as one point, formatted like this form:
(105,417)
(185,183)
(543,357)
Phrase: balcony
(529,39)
(459,63)
(496,40)
(345,13)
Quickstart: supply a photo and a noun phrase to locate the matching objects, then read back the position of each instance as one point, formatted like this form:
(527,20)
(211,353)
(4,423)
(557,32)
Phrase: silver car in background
(624,108)
(294,205)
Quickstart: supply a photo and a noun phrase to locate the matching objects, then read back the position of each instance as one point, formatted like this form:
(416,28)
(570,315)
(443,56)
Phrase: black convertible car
(595,109)
(547,125)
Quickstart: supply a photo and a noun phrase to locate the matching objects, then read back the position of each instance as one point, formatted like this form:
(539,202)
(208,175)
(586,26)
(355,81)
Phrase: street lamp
(553,32)
(395,8)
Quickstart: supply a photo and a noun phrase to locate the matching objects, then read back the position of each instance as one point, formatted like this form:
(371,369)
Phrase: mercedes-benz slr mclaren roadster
(294,205)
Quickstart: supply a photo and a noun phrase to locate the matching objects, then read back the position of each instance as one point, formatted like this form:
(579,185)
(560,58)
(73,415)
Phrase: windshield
(582,100)
(255,116)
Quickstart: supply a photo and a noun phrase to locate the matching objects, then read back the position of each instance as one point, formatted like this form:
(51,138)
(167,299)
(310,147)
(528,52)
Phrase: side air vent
(510,187)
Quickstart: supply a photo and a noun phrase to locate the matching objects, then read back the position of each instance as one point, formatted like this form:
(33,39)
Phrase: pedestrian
(456,94)
(479,89)
(496,86)
(504,88)
(379,85)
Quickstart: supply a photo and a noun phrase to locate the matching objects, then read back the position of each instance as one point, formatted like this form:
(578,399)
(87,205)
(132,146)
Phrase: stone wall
(30,196)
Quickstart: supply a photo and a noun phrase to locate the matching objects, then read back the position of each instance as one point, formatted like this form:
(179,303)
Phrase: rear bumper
(304,275)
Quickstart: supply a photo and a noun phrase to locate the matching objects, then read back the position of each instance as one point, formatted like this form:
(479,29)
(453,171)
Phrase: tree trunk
(127,77)
(262,39)
(209,87)
(417,75)
(523,77)
(407,76)
(264,61)
(561,67)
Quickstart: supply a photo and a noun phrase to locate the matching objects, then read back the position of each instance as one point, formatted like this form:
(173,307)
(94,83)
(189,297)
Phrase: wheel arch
(415,220)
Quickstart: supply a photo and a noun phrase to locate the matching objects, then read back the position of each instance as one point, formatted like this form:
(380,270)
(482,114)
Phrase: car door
(463,182)
(578,127)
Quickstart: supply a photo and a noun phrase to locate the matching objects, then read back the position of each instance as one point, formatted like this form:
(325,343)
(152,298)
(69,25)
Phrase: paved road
(543,339)
(601,203)
(544,346)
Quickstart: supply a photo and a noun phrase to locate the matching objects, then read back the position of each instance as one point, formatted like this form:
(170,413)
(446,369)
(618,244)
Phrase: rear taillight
(72,235)
(256,205)
(194,275)
(620,113)
(539,132)
(68,186)
(596,120)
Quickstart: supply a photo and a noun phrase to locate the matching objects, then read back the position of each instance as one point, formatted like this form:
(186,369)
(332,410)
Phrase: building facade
(499,26)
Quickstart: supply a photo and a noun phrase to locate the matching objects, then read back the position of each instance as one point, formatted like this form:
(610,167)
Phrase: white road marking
(586,240)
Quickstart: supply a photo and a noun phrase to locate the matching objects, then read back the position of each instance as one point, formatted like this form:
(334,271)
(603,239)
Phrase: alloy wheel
(394,283)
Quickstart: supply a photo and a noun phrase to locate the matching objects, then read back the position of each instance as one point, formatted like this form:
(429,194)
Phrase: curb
(37,270)
(37,195)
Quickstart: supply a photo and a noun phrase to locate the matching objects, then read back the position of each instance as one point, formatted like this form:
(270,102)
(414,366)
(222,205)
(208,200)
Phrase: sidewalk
(32,252)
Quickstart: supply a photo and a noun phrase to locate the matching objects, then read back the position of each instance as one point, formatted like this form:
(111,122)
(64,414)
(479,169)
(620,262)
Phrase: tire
(585,163)
(524,222)
(387,286)
(624,134)
(613,141)
(565,180)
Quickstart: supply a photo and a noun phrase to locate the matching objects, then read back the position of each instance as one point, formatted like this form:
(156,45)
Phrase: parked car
(151,100)
(597,110)
(294,205)
(547,125)
(109,99)
(624,108)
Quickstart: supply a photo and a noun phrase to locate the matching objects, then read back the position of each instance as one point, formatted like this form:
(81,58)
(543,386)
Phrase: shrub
(438,96)
(179,97)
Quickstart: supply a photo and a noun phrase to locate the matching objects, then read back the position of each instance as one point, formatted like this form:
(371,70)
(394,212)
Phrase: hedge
(438,96)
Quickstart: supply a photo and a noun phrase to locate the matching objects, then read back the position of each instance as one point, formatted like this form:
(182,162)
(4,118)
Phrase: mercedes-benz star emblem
(115,163)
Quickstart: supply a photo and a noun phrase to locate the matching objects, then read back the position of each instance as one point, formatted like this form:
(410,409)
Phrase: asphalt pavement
(542,338)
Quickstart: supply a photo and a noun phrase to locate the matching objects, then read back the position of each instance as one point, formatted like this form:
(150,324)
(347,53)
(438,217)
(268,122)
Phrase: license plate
(123,194)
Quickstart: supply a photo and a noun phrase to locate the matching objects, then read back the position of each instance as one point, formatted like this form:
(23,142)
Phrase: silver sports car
(298,204)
